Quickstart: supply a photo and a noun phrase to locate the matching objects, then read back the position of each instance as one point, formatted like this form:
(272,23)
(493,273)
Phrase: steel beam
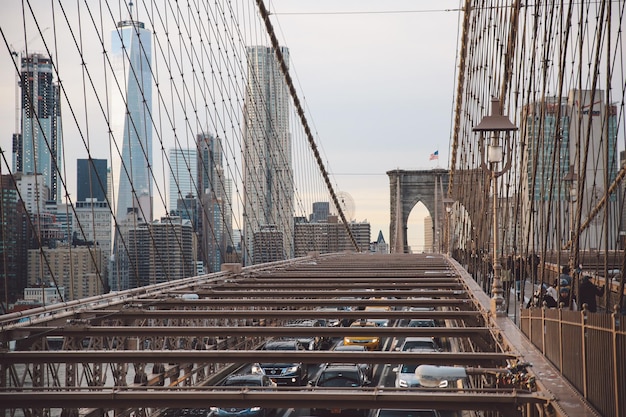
(251,356)
(140,313)
(267,331)
(302,302)
(184,397)
(273,291)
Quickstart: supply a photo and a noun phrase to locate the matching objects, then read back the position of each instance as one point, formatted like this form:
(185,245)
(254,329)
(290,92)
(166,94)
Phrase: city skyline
(415,117)
(364,176)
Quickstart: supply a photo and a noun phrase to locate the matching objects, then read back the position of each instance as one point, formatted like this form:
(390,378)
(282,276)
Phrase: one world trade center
(131,130)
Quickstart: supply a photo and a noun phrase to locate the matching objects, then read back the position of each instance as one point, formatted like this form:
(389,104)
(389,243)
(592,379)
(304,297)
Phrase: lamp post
(447,202)
(571,181)
(494,124)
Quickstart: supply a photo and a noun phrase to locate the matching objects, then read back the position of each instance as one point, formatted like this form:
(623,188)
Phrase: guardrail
(589,349)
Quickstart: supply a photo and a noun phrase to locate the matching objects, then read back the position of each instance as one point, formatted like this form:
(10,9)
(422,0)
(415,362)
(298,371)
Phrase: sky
(377,79)
(379,88)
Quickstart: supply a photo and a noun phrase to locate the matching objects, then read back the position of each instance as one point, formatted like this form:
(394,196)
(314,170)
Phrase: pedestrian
(588,291)
(506,276)
(566,299)
(533,266)
(518,271)
(552,292)
(565,278)
(541,297)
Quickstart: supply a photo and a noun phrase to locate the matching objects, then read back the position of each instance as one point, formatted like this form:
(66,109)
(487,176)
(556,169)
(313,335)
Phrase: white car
(419,344)
(406,378)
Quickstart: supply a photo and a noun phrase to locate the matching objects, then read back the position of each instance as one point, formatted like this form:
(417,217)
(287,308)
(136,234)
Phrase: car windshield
(408,369)
(350,348)
(419,345)
(338,379)
(281,347)
(422,323)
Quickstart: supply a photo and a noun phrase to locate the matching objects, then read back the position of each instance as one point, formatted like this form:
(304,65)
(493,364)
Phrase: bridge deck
(157,324)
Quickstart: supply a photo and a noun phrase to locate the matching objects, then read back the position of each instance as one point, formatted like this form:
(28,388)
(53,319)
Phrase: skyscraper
(13,251)
(131,124)
(587,136)
(39,148)
(183,192)
(183,171)
(215,218)
(267,161)
(131,136)
(321,211)
(161,251)
(91,179)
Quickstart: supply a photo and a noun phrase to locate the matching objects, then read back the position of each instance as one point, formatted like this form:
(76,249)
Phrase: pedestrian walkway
(515,305)
(568,401)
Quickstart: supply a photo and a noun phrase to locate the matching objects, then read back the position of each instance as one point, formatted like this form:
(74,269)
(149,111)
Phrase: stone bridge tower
(407,188)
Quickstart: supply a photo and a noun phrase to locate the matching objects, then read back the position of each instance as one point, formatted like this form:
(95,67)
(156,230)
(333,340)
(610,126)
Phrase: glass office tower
(39,149)
(131,123)
(131,137)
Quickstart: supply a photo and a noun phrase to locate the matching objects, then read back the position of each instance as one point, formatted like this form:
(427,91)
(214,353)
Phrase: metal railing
(589,349)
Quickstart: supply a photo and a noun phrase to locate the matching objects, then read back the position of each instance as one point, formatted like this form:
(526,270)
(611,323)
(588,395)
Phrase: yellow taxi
(377,307)
(369,342)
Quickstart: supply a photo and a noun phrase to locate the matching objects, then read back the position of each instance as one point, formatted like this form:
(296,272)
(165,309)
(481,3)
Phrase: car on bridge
(366,367)
(369,342)
(286,372)
(341,376)
(422,323)
(311,342)
(406,377)
(336,322)
(419,344)
(244,380)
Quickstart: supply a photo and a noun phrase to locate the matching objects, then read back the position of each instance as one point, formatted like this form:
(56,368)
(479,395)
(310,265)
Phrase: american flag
(434,155)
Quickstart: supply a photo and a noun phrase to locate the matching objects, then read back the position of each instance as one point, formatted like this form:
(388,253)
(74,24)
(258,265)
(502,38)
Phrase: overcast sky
(377,79)
(379,88)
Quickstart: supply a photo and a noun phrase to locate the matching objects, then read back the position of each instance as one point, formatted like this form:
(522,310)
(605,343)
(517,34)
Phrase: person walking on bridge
(567,300)
(565,278)
(587,293)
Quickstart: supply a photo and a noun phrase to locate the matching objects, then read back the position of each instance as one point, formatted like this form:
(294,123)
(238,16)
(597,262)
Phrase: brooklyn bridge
(257,293)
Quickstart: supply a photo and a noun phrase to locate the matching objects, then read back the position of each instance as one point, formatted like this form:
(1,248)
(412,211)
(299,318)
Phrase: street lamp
(431,376)
(494,124)
(448,202)
(571,181)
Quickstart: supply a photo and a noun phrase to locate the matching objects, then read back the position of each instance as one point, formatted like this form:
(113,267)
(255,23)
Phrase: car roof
(335,366)
(352,348)
(361,324)
(304,323)
(418,339)
(422,308)
(244,377)
(423,321)
(377,308)
(287,344)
